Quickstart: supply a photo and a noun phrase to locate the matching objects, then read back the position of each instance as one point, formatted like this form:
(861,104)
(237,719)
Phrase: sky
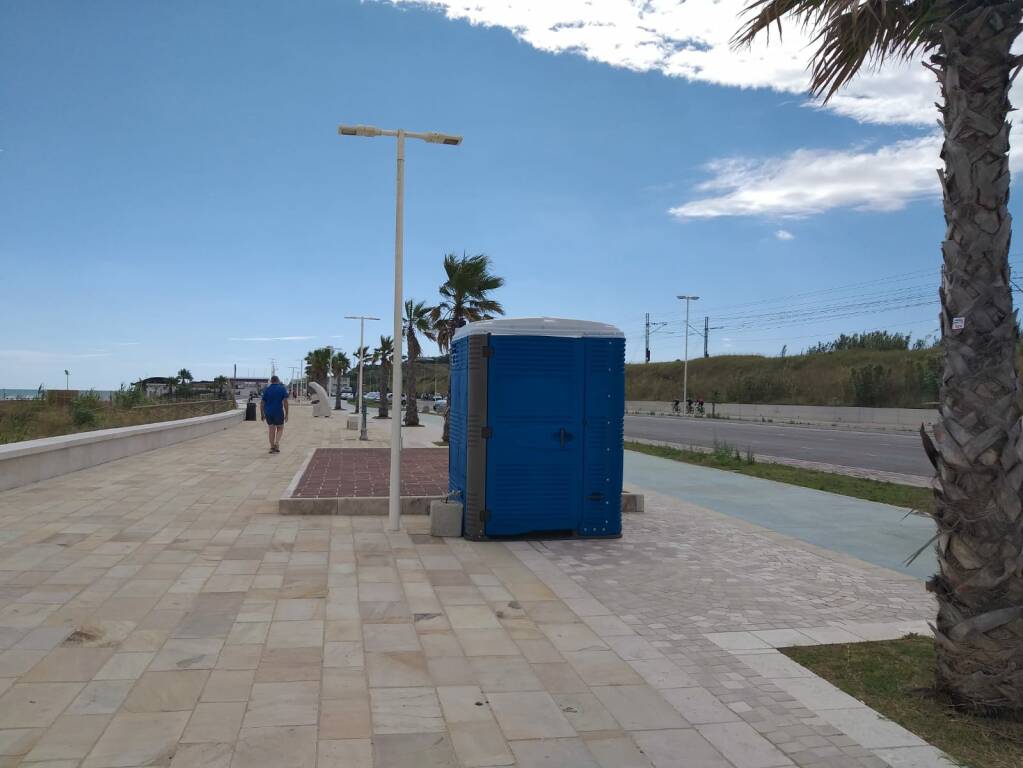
(173,191)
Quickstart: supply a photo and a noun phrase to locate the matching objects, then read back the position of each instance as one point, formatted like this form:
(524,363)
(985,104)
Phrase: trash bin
(536,427)
(250,411)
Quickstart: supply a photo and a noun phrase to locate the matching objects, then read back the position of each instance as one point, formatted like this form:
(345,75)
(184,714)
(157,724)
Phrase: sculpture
(320,400)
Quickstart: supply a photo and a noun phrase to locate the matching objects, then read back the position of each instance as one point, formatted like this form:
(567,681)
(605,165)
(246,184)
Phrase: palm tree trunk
(455,322)
(978,443)
(412,409)
(382,408)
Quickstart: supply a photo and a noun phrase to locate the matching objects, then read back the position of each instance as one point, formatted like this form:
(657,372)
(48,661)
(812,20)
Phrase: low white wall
(902,418)
(33,460)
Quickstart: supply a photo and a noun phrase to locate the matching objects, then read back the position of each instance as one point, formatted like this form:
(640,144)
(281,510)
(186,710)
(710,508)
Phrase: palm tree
(384,355)
(220,382)
(317,365)
(339,366)
(978,440)
(417,323)
(185,376)
(464,298)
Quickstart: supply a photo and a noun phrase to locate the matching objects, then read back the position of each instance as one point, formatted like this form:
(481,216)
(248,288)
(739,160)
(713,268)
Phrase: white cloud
(691,40)
(810,181)
(784,234)
(272,338)
(41,356)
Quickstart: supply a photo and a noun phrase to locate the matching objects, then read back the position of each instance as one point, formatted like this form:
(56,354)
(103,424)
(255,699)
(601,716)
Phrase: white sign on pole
(958,323)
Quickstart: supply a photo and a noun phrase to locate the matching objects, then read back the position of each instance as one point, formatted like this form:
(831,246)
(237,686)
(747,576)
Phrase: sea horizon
(20,393)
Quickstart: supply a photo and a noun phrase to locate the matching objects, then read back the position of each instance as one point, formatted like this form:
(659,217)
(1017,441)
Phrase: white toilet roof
(540,326)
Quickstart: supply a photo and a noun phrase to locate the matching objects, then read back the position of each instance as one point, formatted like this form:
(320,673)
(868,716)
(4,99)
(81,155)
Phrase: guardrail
(886,418)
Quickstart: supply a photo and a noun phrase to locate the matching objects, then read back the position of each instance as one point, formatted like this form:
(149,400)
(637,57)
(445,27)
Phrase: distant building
(242,388)
(154,386)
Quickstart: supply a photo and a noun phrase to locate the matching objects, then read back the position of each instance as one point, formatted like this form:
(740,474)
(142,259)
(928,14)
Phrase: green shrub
(15,425)
(876,340)
(128,397)
(922,381)
(765,386)
(871,385)
(85,409)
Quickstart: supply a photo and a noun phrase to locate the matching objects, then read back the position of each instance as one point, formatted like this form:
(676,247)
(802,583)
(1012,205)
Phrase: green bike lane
(876,533)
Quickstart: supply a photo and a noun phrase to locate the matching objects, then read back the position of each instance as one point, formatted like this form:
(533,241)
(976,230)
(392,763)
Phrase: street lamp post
(67,379)
(685,366)
(394,496)
(362,342)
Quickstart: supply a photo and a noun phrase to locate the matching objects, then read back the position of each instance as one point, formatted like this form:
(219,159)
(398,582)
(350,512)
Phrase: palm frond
(849,33)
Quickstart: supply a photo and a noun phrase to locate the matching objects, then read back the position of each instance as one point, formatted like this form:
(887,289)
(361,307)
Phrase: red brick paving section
(361,472)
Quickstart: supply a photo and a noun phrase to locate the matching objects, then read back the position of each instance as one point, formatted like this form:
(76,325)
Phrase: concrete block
(307,506)
(352,422)
(445,518)
(632,503)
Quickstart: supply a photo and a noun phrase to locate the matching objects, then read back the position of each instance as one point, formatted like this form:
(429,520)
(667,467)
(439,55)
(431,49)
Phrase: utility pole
(685,366)
(706,333)
(647,358)
(651,328)
(362,343)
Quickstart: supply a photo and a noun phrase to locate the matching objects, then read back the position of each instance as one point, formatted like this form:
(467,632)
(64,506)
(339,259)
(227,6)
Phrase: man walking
(273,409)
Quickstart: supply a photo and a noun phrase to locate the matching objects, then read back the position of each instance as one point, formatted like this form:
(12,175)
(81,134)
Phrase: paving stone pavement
(157,611)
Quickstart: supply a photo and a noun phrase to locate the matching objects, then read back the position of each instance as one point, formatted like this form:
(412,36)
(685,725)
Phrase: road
(886,451)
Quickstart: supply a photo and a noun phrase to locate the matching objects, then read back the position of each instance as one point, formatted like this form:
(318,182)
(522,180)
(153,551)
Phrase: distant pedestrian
(273,409)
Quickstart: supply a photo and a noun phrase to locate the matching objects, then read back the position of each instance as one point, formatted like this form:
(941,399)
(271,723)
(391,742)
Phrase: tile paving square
(158,610)
(365,472)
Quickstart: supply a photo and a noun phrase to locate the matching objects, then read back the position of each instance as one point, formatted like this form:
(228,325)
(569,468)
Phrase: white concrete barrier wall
(902,418)
(33,460)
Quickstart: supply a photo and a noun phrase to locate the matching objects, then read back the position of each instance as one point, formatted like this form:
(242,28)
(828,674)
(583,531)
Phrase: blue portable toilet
(536,427)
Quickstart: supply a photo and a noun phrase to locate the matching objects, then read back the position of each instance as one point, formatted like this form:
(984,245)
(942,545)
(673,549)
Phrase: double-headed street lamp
(394,499)
(685,365)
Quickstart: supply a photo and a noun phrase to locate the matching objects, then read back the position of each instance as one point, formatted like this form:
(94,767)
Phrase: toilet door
(535,427)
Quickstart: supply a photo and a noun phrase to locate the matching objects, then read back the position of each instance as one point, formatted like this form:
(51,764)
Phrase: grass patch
(31,419)
(896,678)
(887,378)
(726,457)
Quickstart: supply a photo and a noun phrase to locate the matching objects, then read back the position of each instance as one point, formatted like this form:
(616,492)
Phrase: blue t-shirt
(273,400)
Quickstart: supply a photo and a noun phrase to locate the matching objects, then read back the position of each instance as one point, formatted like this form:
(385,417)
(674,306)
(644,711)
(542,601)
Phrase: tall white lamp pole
(394,496)
(685,365)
